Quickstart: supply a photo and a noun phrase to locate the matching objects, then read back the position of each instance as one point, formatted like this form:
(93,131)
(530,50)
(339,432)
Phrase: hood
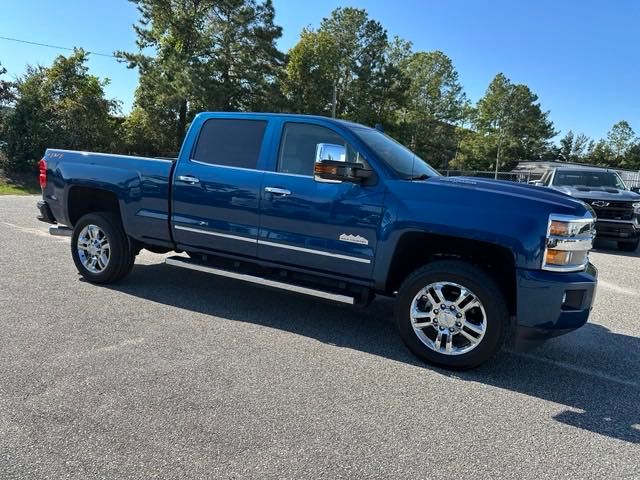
(512,215)
(513,189)
(598,193)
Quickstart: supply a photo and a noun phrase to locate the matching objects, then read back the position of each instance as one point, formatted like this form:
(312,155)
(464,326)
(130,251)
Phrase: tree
(573,148)
(347,64)
(208,55)
(620,138)
(62,106)
(7,98)
(510,125)
(435,104)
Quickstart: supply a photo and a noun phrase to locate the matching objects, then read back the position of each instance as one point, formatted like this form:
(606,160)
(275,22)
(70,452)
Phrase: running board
(190,264)
(60,231)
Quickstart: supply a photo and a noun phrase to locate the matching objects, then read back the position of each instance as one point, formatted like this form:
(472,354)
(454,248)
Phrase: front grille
(612,211)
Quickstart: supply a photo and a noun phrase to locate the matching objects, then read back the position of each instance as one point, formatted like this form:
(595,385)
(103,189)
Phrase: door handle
(277,191)
(188,179)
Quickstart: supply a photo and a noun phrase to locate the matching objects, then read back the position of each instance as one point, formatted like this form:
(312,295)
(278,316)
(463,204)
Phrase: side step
(192,265)
(60,231)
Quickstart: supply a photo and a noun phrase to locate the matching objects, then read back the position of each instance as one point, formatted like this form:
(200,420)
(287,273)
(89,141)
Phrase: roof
(290,116)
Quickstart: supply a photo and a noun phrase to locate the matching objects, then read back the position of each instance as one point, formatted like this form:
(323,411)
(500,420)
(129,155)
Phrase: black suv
(617,208)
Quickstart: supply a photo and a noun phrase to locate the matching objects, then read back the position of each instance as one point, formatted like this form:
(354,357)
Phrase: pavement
(178,374)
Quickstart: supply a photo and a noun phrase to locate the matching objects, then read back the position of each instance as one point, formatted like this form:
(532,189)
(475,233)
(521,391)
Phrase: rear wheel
(100,248)
(452,314)
(629,246)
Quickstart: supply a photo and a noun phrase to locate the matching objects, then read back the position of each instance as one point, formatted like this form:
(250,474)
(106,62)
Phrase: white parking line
(615,288)
(33,231)
(577,369)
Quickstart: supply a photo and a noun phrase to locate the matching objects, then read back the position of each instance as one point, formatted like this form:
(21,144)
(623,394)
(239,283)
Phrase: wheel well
(417,249)
(83,200)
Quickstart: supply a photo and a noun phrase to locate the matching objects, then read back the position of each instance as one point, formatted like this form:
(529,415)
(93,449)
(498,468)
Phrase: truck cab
(339,211)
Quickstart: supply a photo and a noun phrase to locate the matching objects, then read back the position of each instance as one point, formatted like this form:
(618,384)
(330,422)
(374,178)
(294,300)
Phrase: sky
(582,58)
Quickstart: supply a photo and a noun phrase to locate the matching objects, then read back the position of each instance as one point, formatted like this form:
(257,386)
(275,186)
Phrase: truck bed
(141,185)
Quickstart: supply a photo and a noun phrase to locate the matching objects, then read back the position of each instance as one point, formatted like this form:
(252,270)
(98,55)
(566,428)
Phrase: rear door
(331,227)
(216,190)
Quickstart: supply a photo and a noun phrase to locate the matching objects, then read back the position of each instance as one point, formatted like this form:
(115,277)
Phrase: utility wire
(55,46)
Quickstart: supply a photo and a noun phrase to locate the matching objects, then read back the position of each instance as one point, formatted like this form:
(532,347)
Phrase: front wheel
(100,248)
(451,313)
(629,246)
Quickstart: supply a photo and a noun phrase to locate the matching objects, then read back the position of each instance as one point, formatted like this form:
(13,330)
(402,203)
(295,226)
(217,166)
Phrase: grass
(19,184)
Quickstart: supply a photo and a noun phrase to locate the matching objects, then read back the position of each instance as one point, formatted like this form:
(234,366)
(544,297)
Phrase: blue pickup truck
(339,211)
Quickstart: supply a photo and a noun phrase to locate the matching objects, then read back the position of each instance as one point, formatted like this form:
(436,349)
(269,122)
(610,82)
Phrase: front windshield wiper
(424,176)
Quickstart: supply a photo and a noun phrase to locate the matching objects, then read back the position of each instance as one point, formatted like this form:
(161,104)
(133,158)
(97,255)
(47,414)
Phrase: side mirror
(331,165)
(635,189)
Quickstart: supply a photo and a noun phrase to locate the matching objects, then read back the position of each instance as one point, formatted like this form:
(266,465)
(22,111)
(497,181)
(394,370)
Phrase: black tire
(629,246)
(121,257)
(483,287)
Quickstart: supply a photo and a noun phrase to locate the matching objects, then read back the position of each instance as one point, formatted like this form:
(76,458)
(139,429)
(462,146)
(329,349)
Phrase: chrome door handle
(188,179)
(277,191)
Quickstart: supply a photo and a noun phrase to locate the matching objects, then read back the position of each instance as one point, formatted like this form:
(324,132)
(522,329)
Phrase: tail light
(42,166)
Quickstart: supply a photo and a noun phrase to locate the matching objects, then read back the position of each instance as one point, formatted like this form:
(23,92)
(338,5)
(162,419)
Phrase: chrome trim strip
(273,244)
(261,281)
(315,252)
(215,234)
(607,220)
(199,162)
(569,244)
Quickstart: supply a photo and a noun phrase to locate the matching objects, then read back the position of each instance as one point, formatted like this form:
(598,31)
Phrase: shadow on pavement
(611,248)
(596,404)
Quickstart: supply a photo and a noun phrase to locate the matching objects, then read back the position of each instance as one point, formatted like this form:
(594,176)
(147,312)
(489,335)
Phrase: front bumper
(620,230)
(45,212)
(552,304)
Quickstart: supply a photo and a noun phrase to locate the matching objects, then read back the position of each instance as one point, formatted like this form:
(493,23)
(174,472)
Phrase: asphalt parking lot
(177,374)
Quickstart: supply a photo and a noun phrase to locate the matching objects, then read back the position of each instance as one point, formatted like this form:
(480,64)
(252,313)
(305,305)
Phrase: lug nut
(459,315)
(451,329)
(441,328)
(458,324)
(443,306)
(436,311)
(452,308)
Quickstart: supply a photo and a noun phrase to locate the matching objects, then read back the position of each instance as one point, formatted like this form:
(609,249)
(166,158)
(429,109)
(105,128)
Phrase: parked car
(336,210)
(617,208)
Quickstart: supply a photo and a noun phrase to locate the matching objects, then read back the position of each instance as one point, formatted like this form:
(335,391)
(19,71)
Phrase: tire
(629,246)
(487,324)
(120,257)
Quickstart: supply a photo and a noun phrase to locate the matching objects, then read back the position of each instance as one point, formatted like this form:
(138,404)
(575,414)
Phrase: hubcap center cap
(447,319)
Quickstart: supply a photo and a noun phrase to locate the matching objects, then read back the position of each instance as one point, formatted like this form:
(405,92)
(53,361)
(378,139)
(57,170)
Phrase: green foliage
(435,104)
(208,55)
(351,57)
(574,148)
(62,106)
(221,55)
(510,126)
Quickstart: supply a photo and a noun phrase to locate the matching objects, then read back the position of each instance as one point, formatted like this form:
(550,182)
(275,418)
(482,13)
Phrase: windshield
(402,160)
(586,178)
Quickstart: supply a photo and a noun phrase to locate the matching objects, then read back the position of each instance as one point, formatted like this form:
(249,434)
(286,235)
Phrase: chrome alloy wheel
(93,248)
(448,318)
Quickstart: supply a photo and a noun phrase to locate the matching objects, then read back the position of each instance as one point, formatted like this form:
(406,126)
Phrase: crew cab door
(331,227)
(216,188)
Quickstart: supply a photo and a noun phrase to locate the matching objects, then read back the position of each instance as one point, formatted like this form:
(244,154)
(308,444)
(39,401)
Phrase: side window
(298,147)
(230,142)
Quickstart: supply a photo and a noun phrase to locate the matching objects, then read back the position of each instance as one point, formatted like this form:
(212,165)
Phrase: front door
(216,192)
(331,227)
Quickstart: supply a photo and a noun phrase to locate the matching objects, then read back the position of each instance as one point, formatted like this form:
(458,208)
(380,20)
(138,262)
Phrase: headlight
(636,207)
(568,242)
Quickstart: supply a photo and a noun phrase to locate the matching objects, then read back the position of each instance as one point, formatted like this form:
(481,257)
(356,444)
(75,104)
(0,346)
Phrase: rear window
(230,142)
